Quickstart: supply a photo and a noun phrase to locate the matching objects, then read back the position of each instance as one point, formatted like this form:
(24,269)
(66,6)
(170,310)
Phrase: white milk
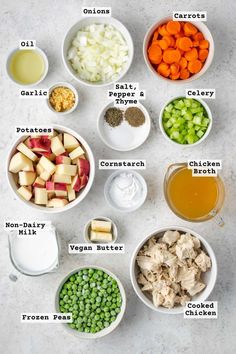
(35,254)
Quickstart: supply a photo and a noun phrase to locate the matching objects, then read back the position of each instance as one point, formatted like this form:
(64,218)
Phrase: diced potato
(25,193)
(27,152)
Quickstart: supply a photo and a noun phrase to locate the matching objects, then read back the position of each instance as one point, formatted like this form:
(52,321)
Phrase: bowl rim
(113,325)
(139,293)
(148,122)
(83,193)
(205,67)
(45,59)
(207,108)
(67,85)
(113,21)
(141,180)
(102,218)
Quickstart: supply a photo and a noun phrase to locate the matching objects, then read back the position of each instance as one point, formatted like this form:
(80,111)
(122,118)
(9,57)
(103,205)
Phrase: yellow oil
(27,66)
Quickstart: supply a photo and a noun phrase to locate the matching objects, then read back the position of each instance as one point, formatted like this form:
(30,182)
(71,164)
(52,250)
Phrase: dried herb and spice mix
(134,116)
(114,116)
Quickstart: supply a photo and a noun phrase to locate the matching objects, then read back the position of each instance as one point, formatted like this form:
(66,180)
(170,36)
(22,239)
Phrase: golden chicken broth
(27,66)
(192,197)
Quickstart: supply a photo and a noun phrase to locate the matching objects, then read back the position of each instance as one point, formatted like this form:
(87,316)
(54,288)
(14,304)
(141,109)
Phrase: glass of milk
(37,254)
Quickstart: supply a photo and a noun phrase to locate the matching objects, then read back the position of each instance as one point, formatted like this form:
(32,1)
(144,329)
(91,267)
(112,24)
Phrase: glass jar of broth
(193,198)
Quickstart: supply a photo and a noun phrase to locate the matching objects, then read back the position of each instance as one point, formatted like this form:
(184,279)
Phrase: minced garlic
(62,99)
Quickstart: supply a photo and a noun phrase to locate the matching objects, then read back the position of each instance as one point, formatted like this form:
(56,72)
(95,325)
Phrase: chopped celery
(185,120)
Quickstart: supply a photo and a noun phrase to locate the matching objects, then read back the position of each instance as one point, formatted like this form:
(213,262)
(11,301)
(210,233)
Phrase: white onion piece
(98,53)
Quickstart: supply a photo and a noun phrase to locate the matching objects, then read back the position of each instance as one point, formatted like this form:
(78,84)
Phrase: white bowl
(71,33)
(72,88)
(205,31)
(45,59)
(140,133)
(112,203)
(82,194)
(87,229)
(204,104)
(104,331)
(209,277)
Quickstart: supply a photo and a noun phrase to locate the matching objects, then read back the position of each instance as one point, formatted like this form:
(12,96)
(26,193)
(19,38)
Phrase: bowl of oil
(27,67)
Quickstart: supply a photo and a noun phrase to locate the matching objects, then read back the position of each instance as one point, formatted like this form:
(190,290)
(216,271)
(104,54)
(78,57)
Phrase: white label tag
(35,93)
(122,164)
(46,317)
(201,310)
(204,167)
(27,44)
(97,11)
(190,15)
(201,93)
(26,228)
(33,130)
(74,248)
(126,93)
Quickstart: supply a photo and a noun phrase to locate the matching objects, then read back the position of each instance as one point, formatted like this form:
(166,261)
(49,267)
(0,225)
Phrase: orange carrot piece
(155,36)
(170,40)
(198,36)
(195,44)
(163,43)
(163,31)
(194,66)
(203,54)
(191,54)
(185,44)
(173,27)
(184,74)
(175,76)
(204,44)
(189,29)
(163,69)
(174,68)
(183,63)
(155,54)
(171,56)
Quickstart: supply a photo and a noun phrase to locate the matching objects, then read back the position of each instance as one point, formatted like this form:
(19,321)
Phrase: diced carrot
(203,54)
(171,56)
(189,29)
(163,43)
(185,43)
(155,54)
(174,68)
(194,66)
(163,69)
(170,40)
(173,27)
(175,76)
(163,31)
(183,63)
(195,43)
(198,36)
(184,74)
(191,54)
(155,35)
(204,44)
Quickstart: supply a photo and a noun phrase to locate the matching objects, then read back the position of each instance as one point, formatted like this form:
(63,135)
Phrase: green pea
(106,324)
(85,271)
(117,310)
(98,299)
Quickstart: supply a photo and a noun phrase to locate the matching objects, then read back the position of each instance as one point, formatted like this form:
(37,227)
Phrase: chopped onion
(98,53)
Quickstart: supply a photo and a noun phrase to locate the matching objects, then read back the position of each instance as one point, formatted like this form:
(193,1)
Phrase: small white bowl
(113,325)
(112,203)
(205,31)
(204,104)
(71,33)
(87,229)
(67,85)
(209,277)
(13,185)
(140,133)
(45,59)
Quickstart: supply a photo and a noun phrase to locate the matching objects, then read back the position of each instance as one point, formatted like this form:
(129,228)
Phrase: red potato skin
(50,186)
(77,184)
(60,187)
(60,159)
(42,143)
(83,167)
(84,181)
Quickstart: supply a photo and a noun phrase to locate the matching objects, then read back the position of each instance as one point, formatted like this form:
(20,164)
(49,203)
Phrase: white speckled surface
(142,331)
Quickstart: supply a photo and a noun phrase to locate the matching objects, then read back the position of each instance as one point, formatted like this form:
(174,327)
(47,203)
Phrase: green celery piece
(190,124)
(181,121)
(197,120)
(205,122)
(190,139)
(191,131)
(176,125)
(200,133)
(197,127)
(188,102)
(174,135)
(188,115)
(169,107)
(183,111)
(166,115)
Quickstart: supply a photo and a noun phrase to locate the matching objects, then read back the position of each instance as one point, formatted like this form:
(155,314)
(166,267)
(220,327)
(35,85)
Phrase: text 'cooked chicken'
(171,268)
